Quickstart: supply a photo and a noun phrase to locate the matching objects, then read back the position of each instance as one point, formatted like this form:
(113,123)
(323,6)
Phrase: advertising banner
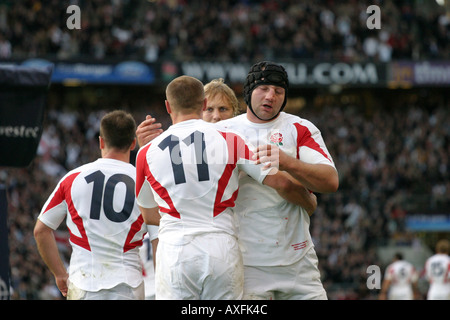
(23,93)
(301,74)
(428,222)
(124,72)
(424,73)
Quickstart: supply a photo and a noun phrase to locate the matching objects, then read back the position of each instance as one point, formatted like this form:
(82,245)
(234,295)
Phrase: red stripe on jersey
(141,168)
(65,189)
(237,149)
(135,228)
(220,206)
(164,194)
(143,173)
(304,138)
(58,196)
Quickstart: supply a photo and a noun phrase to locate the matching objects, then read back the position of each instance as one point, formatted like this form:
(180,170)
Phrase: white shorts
(438,292)
(408,295)
(299,281)
(120,292)
(208,267)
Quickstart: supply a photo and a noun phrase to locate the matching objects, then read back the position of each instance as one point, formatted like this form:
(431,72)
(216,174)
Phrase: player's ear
(133,144)
(101,142)
(169,110)
(205,103)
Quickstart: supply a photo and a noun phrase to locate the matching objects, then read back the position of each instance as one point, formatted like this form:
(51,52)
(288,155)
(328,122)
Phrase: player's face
(267,101)
(217,108)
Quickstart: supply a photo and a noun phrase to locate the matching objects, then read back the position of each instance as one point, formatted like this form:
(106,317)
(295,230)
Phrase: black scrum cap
(265,72)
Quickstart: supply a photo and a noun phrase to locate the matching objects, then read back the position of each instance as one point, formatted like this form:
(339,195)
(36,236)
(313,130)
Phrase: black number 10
(98,179)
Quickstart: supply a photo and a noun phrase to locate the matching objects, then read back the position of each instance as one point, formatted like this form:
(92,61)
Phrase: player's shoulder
(405,264)
(227,130)
(154,142)
(70,176)
(229,123)
(105,165)
(292,119)
(143,150)
(77,170)
(289,117)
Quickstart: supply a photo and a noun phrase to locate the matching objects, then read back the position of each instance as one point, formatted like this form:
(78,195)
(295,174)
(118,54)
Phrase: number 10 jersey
(105,225)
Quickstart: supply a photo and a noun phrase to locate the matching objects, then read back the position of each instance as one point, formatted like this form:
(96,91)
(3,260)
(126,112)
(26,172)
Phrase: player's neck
(184,117)
(112,154)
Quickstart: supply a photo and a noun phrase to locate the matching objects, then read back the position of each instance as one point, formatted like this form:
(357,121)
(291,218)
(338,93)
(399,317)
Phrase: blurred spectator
(5,47)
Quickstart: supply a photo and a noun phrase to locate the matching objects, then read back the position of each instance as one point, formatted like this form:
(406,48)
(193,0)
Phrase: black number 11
(173,143)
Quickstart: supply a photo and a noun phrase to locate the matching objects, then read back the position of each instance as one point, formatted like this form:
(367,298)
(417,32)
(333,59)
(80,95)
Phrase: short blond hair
(218,86)
(185,94)
(443,246)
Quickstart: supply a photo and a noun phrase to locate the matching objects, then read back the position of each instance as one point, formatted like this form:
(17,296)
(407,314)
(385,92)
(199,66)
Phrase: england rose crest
(276,138)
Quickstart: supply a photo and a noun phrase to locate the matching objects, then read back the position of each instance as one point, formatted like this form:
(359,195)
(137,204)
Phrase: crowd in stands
(384,160)
(236,30)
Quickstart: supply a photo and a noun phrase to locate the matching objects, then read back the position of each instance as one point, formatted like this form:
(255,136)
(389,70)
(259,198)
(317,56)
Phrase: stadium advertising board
(310,74)
(122,72)
(23,93)
(301,74)
(424,73)
(428,222)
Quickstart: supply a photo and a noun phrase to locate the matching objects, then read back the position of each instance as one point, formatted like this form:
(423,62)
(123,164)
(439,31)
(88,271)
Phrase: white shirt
(191,173)
(402,275)
(104,221)
(437,272)
(271,230)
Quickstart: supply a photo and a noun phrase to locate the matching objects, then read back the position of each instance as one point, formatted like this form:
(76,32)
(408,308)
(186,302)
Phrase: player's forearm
(48,250)
(292,191)
(384,289)
(315,177)
(151,215)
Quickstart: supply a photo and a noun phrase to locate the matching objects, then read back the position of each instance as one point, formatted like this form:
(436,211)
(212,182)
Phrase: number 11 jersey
(191,173)
(105,225)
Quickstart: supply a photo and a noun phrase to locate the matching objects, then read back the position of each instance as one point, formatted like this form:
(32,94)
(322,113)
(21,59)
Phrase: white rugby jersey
(191,173)
(402,275)
(437,272)
(271,230)
(105,224)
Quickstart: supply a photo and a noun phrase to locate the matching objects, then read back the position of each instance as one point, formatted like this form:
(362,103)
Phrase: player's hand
(62,284)
(271,156)
(148,130)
